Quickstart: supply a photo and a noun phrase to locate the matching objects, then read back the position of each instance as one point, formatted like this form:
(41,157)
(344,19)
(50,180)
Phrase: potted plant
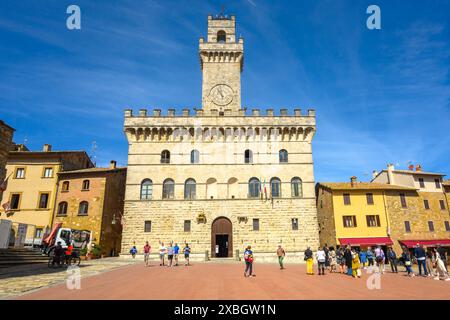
(83,253)
(96,252)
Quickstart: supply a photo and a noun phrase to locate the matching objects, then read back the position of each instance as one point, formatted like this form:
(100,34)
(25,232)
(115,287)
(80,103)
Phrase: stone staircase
(223,260)
(19,256)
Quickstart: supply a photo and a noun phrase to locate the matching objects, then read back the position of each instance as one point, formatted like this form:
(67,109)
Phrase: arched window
(85,185)
(83,208)
(254,188)
(248,156)
(165,156)
(275,187)
(233,188)
(168,189)
(65,186)
(62,208)
(221,36)
(296,187)
(189,189)
(195,156)
(211,188)
(146,189)
(283,156)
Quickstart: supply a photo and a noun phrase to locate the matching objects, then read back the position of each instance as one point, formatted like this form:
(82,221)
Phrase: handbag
(408,263)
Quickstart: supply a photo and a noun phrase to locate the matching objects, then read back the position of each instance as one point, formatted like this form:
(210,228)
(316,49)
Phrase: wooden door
(221,226)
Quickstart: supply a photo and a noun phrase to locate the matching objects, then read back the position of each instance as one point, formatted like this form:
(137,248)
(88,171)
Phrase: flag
(4,185)
(260,189)
(265,189)
(7,207)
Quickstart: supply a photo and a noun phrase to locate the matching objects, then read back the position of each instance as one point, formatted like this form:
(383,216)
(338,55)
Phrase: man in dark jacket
(392,256)
(348,259)
(420,254)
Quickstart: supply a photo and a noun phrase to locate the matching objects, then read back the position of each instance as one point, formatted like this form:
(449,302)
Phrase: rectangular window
(426,204)
(38,233)
(294,224)
(148,226)
(437,182)
(403,200)
(20,173)
(421,183)
(43,200)
(15,201)
(369,197)
(373,221)
(430,225)
(447,225)
(442,204)
(349,221)
(187,225)
(48,173)
(407,226)
(346,199)
(255,224)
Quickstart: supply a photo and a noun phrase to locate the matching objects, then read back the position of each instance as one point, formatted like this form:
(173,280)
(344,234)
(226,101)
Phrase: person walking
(309,261)
(441,272)
(333,261)
(348,259)
(392,256)
(248,258)
(187,252)
(443,255)
(369,254)
(321,258)
(430,261)
(281,254)
(133,252)
(170,255)
(380,258)
(176,250)
(356,272)
(407,260)
(340,259)
(419,253)
(147,249)
(327,256)
(162,254)
(363,258)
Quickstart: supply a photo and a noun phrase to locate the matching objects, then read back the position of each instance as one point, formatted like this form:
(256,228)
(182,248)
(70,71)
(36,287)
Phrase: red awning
(366,241)
(428,243)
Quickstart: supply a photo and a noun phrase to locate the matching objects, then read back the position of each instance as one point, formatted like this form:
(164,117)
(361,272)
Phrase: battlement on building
(199,112)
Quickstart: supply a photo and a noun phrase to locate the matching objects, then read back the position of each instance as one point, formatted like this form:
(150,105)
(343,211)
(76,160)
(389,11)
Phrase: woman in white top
(162,253)
(321,256)
(441,272)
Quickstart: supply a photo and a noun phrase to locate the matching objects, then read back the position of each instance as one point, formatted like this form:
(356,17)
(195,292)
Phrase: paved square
(205,281)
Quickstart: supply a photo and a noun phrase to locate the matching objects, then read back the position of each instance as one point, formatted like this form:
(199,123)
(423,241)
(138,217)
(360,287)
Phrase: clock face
(221,94)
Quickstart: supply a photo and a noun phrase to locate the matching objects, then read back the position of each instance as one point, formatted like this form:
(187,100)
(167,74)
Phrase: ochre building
(32,185)
(221,177)
(92,199)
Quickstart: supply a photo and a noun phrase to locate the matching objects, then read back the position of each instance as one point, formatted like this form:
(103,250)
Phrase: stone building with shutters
(222,176)
(6,145)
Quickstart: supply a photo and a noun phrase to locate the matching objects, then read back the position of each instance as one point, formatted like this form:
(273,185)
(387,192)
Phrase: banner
(21,235)
(5,231)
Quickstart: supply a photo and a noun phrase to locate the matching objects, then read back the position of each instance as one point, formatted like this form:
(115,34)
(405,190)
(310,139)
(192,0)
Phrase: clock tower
(221,59)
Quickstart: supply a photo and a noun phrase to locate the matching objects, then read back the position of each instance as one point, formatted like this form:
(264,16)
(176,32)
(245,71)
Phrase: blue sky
(381,96)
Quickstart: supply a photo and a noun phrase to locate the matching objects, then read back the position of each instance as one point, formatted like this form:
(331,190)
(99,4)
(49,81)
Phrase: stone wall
(167,221)
(325,217)
(6,135)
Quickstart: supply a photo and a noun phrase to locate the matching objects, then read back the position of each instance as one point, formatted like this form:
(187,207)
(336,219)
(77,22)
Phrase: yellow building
(354,213)
(30,194)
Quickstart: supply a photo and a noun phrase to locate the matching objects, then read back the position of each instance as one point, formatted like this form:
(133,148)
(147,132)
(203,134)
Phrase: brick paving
(17,280)
(207,281)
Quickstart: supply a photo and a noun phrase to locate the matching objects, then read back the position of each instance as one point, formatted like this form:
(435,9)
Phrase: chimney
(47,148)
(353,181)
(374,174)
(112,164)
(411,167)
(418,168)
(390,173)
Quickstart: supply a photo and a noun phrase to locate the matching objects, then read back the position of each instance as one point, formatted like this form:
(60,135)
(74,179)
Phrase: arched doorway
(222,238)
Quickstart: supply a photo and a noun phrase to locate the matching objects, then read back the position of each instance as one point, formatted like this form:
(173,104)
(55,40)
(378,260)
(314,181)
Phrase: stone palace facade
(218,177)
